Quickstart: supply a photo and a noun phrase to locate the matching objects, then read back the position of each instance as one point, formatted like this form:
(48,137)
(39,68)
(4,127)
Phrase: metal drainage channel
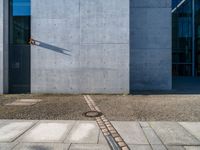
(113,138)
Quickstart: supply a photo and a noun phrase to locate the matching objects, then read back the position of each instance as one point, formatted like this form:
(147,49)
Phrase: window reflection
(182,37)
(19,21)
(175,3)
(21,7)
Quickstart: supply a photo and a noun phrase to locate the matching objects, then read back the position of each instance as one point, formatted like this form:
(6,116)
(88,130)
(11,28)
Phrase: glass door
(19,48)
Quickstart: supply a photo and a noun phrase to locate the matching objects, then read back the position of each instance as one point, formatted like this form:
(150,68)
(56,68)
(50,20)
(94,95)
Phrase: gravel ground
(52,107)
(150,108)
(115,107)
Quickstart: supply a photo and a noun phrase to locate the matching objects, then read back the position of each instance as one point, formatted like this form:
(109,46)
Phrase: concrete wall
(6,47)
(83,48)
(150,38)
(1,46)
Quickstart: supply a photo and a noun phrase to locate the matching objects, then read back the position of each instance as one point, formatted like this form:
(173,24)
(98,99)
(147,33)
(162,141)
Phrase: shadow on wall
(51,47)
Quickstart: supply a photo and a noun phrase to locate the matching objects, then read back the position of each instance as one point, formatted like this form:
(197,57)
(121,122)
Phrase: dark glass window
(19,21)
(197,35)
(182,37)
(19,48)
(175,3)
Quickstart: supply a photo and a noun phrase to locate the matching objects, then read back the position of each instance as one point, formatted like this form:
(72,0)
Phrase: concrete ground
(85,135)
(55,122)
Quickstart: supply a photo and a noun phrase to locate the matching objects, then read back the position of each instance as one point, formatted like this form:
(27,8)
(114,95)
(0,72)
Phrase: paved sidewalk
(85,135)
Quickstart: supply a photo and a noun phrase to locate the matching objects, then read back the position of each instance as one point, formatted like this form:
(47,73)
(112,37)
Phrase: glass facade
(186,37)
(19,48)
(197,36)
(19,21)
(182,38)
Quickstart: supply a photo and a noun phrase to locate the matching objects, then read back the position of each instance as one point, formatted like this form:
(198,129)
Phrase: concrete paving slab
(158,147)
(131,132)
(172,133)
(192,147)
(193,128)
(144,124)
(175,148)
(2,122)
(42,146)
(20,104)
(51,131)
(13,129)
(29,100)
(24,102)
(89,147)
(102,139)
(140,147)
(7,146)
(84,132)
(151,136)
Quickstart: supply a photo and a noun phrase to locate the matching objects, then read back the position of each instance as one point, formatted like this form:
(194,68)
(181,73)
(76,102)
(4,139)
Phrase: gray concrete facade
(3,46)
(150,45)
(83,48)
(95,46)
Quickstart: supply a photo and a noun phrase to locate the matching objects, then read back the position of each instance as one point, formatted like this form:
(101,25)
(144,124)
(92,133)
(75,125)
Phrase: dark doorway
(19,48)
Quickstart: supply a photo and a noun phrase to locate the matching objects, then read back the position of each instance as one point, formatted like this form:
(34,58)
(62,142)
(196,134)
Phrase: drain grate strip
(113,138)
(112,142)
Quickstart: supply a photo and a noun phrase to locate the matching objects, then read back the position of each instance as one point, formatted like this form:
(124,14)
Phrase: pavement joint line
(156,135)
(15,145)
(25,131)
(98,140)
(69,146)
(65,138)
(146,136)
(188,131)
(115,142)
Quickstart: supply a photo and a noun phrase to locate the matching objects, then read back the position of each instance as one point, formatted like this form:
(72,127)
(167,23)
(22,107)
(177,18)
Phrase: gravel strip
(149,107)
(115,107)
(52,107)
